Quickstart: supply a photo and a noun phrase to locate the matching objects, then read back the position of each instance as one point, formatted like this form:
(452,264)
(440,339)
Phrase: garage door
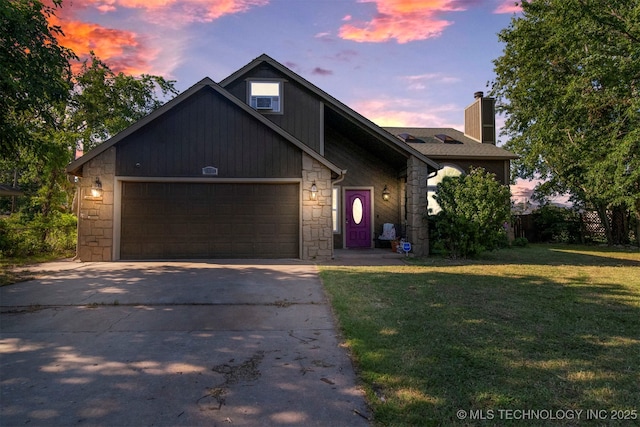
(199,220)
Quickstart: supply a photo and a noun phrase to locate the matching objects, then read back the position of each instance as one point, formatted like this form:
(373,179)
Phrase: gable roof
(75,167)
(333,103)
(458,146)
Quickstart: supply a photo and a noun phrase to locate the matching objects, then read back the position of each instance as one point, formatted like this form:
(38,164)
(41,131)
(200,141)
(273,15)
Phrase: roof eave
(295,141)
(469,157)
(392,140)
(75,167)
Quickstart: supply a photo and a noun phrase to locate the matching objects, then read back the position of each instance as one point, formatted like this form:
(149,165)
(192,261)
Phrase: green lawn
(538,333)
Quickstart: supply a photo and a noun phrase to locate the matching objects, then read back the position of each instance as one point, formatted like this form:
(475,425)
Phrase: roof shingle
(461,146)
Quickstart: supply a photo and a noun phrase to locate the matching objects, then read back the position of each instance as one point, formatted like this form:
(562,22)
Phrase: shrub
(22,236)
(556,224)
(475,208)
(520,242)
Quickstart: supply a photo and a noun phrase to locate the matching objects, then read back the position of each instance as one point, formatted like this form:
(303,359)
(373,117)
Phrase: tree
(569,84)
(474,210)
(103,102)
(46,112)
(34,72)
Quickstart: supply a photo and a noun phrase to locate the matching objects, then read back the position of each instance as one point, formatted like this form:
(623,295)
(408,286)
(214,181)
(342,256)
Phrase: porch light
(386,194)
(314,191)
(96,188)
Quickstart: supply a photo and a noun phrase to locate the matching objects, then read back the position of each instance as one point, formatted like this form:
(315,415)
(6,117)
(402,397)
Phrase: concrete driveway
(174,344)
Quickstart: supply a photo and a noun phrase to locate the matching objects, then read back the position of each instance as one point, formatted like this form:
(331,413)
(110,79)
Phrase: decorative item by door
(358,218)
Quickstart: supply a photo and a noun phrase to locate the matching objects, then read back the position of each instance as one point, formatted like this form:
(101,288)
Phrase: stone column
(317,230)
(95,219)
(417,224)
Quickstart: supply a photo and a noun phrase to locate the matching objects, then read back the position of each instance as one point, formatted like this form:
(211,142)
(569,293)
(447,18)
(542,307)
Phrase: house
(456,151)
(261,165)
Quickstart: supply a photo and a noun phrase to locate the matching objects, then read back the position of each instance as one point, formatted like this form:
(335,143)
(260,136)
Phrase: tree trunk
(604,220)
(619,225)
(15,184)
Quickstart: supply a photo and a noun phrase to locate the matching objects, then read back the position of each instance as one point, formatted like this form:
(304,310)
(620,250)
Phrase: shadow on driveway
(174,343)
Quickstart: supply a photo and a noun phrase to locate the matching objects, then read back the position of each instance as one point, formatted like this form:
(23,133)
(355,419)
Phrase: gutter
(343,175)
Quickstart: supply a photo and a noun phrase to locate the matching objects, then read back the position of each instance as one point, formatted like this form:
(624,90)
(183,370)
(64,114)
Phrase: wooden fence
(590,228)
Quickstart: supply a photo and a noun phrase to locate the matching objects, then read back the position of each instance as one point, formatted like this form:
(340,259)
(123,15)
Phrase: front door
(358,218)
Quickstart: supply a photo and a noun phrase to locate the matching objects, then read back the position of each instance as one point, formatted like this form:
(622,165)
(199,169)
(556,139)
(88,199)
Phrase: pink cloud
(508,6)
(419,82)
(123,51)
(143,49)
(405,113)
(522,193)
(178,11)
(403,20)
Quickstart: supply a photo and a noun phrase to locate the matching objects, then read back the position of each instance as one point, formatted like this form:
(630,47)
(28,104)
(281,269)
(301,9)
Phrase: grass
(537,328)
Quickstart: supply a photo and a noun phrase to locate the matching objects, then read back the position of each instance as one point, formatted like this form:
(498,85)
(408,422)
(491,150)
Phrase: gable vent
(210,170)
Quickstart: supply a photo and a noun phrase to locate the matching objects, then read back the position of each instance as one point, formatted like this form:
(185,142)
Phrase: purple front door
(357,218)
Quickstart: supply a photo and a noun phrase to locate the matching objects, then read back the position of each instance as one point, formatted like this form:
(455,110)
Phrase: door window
(356,210)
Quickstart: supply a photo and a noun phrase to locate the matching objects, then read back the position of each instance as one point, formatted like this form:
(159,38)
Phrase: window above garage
(265,96)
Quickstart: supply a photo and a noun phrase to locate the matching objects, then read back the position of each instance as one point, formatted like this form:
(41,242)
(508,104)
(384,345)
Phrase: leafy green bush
(475,208)
(24,236)
(63,232)
(556,224)
(520,242)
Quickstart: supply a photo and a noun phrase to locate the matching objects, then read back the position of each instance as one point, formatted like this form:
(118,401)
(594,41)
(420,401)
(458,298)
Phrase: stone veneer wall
(417,225)
(95,216)
(317,230)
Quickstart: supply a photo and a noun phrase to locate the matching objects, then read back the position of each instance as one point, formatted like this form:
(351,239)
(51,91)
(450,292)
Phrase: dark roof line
(391,139)
(437,147)
(74,167)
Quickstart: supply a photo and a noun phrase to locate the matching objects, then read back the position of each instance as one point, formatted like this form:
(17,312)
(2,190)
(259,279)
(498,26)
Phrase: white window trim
(280,83)
(335,209)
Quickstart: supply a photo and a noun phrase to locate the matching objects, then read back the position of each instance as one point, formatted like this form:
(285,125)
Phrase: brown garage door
(199,220)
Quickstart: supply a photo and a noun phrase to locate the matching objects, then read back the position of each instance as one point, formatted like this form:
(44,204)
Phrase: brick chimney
(480,119)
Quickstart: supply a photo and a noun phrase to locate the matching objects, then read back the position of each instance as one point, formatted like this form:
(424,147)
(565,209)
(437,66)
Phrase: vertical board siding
(472,125)
(207,130)
(488,121)
(496,167)
(301,108)
(366,170)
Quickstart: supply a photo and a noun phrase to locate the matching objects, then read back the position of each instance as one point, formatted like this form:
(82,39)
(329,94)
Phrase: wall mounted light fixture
(314,191)
(386,194)
(96,188)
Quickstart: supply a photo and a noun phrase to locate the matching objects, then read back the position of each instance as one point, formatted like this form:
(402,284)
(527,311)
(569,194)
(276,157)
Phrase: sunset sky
(413,63)
(397,62)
